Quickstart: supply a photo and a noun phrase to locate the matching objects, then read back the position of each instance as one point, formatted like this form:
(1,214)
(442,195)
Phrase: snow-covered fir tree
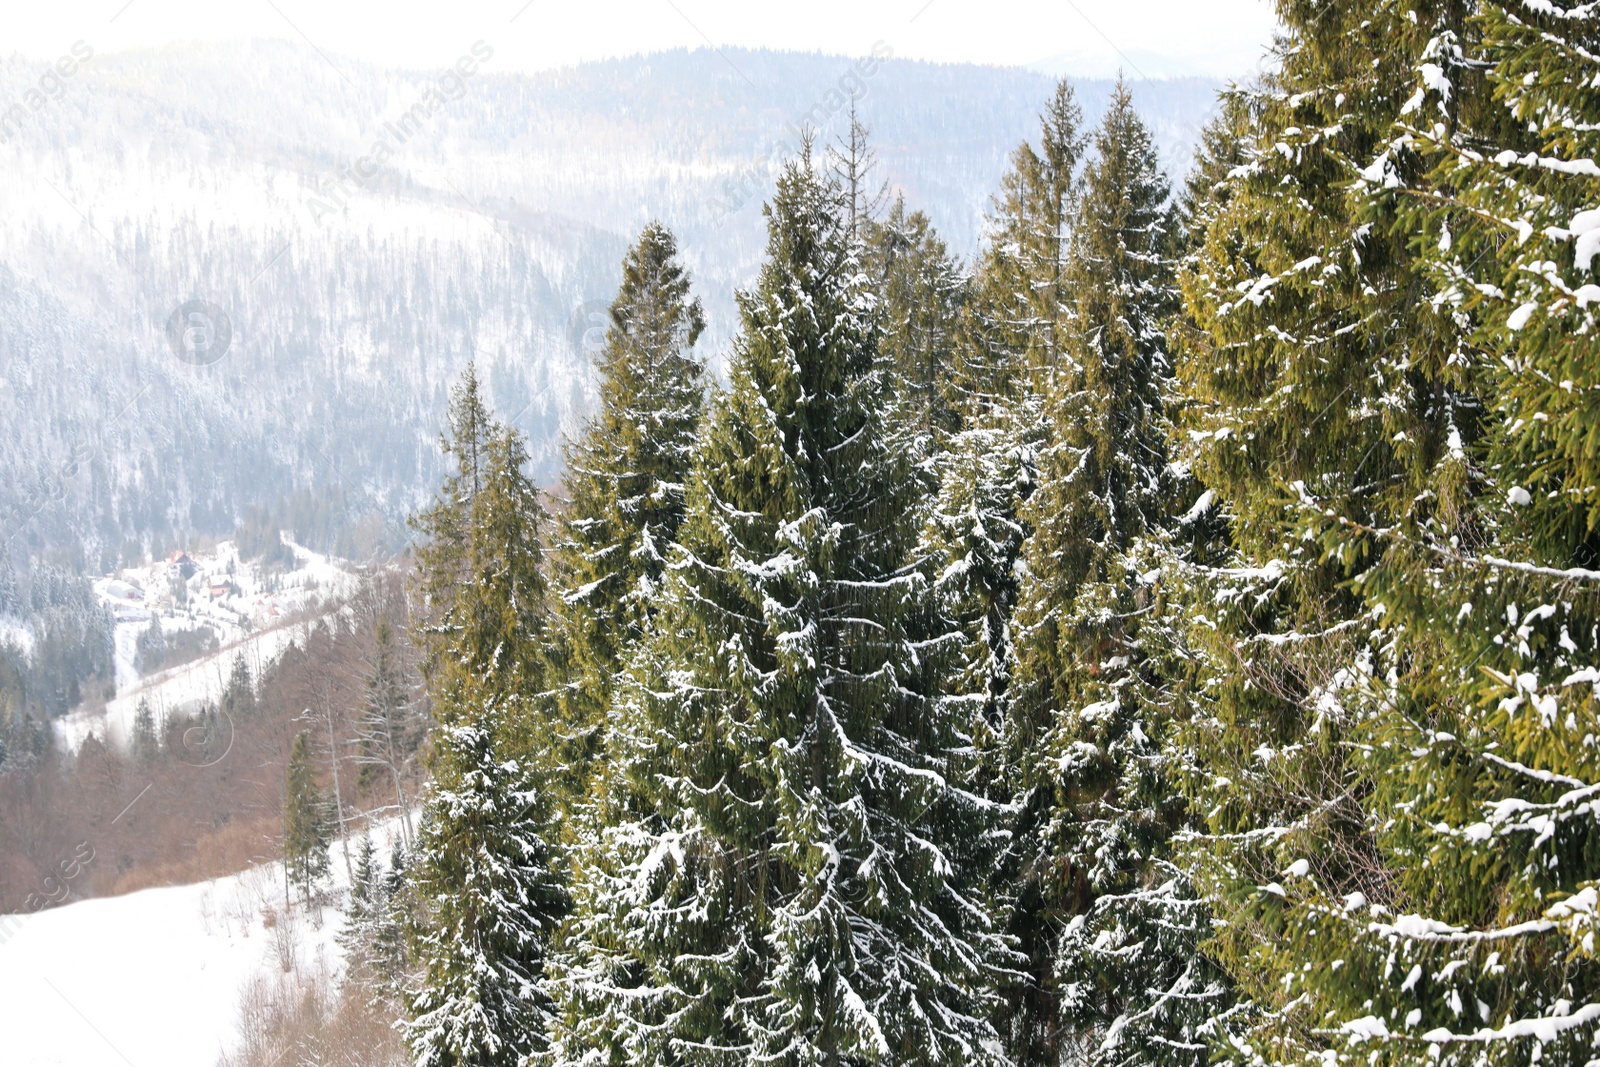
(481,561)
(1013,320)
(786,894)
(482,573)
(485,897)
(625,479)
(1117,945)
(486,902)
(972,540)
(1019,303)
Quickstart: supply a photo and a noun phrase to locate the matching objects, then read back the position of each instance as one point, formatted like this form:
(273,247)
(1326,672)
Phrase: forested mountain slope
(492,231)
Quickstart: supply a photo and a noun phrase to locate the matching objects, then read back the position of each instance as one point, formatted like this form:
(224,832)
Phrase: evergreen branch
(1454,555)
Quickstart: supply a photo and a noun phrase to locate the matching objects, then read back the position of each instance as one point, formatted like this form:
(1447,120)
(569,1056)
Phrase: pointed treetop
(468,434)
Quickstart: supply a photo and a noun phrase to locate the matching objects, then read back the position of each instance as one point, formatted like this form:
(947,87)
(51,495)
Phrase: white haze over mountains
(1096,38)
(488,225)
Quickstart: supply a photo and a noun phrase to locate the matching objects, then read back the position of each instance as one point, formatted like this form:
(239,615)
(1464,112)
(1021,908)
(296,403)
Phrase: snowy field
(155,978)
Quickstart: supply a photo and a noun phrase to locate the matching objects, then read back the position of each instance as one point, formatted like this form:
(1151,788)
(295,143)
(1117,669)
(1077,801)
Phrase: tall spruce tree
(1104,473)
(625,479)
(480,564)
(306,825)
(1018,312)
(1012,329)
(1114,930)
(1013,316)
(786,895)
(485,899)
(481,573)
(973,538)
(1332,409)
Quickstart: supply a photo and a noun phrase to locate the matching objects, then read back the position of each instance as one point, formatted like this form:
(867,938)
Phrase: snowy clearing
(154,978)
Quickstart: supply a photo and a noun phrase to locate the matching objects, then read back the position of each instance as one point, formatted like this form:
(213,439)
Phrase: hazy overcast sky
(1154,37)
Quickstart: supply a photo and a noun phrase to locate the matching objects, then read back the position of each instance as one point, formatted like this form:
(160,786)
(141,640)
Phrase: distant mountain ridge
(492,229)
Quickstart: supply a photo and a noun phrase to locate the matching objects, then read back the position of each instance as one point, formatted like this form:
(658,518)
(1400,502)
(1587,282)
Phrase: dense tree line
(55,651)
(1171,639)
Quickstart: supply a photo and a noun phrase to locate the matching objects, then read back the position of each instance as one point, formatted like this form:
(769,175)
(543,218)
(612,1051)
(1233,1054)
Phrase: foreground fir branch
(1396,788)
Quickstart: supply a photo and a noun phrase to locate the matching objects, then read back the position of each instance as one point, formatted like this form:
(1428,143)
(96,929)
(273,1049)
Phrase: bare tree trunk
(405,812)
(285,807)
(338,798)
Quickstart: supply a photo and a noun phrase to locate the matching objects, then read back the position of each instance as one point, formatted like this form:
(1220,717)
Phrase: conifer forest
(1166,636)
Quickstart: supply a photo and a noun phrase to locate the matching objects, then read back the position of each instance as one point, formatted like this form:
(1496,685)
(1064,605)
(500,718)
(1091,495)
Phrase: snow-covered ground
(247,610)
(155,978)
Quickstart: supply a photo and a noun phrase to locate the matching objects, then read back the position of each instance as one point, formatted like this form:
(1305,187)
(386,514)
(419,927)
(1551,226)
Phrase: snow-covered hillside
(492,230)
(84,984)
